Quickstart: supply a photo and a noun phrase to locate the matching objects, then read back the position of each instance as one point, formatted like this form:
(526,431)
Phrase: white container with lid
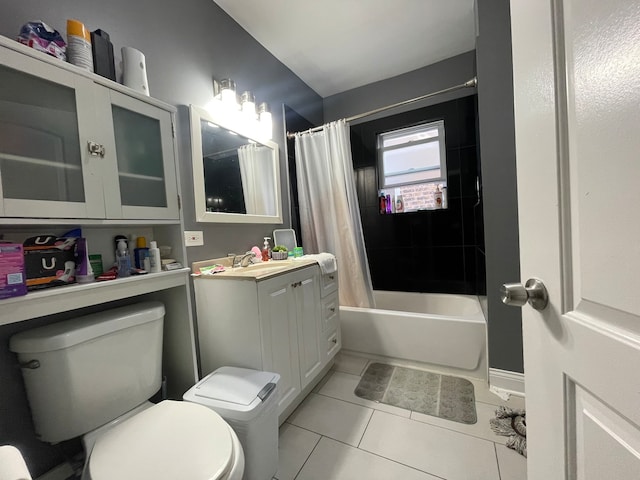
(248,401)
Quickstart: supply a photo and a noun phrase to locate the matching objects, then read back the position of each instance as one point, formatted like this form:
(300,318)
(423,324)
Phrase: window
(412,164)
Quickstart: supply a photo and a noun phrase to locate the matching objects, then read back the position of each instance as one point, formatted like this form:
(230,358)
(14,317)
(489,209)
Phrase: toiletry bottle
(84,272)
(123,260)
(383,203)
(141,252)
(389,204)
(399,204)
(266,250)
(154,257)
(437,198)
(444,196)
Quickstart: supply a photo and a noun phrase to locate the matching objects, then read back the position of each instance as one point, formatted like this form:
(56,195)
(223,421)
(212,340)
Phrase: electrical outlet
(193,238)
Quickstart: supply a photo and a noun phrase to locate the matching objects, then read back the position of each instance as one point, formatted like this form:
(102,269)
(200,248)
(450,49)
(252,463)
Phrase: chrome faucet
(244,260)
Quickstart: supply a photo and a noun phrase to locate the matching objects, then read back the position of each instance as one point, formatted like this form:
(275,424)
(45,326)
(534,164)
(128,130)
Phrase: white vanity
(279,316)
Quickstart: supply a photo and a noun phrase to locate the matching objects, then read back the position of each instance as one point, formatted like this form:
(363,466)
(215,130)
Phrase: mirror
(236,176)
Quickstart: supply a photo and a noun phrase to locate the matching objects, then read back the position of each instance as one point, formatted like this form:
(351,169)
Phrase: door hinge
(179,203)
(173,129)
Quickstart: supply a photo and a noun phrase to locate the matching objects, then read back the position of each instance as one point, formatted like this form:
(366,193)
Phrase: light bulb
(266,122)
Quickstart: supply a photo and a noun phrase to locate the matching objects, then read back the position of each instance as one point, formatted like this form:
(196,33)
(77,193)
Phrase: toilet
(93,376)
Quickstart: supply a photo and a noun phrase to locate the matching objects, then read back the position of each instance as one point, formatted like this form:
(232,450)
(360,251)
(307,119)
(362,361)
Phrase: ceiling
(337,45)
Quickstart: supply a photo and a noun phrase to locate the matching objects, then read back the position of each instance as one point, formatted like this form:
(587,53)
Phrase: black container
(102,49)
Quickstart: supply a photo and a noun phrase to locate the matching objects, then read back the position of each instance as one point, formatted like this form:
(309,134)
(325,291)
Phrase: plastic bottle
(79,50)
(140,253)
(154,257)
(383,203)
(84,272)
(123,260)
(266,250)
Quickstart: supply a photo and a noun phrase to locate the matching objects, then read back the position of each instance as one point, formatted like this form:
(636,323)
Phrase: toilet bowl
(170,440)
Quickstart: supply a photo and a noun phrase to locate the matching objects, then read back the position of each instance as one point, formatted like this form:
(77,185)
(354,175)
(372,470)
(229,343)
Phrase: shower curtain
(329,212)
(258,179)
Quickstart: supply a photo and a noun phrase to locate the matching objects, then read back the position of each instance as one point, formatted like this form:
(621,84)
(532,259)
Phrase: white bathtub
(441,329)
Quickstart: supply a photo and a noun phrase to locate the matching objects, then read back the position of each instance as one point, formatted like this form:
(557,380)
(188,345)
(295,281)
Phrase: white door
(577,107)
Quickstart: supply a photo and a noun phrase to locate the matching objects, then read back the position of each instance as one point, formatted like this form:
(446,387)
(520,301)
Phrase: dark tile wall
(428,251)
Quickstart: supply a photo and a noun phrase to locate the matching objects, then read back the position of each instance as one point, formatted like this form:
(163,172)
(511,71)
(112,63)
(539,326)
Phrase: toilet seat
(167,441)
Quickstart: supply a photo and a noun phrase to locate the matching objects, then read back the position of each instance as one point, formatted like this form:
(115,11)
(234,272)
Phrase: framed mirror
(236,176)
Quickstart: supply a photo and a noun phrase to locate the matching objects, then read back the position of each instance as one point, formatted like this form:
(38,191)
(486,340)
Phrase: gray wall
(497,147)
(185,43)
(431,78)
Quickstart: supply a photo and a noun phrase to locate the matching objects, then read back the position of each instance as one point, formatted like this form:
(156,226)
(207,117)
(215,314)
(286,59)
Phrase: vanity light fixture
(241,113)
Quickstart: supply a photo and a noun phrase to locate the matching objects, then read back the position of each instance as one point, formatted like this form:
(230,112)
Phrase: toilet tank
(84,372)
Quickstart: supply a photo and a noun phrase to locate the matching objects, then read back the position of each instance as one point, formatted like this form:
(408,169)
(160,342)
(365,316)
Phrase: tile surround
(336,435)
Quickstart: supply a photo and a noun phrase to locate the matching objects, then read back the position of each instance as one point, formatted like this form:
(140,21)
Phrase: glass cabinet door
(144,155)
(43,122)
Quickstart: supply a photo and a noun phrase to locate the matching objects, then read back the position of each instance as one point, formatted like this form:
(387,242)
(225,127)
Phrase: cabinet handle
(331,277)
(334,340)
(296,284)
(95,149)
(332,309)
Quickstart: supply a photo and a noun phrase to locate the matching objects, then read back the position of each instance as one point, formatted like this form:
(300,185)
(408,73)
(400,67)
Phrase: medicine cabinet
(236,176)
(73,148)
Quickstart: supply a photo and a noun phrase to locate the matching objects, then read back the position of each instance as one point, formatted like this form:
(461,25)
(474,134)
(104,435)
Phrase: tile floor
(334,435)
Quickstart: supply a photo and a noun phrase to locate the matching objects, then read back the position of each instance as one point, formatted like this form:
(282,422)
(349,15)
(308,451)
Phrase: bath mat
(512,423)
(430,393)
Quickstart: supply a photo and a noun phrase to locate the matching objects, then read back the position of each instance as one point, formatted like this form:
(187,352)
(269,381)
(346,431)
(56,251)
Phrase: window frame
(440,138)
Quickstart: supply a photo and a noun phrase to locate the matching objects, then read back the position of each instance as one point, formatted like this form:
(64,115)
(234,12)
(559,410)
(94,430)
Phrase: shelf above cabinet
(62,299)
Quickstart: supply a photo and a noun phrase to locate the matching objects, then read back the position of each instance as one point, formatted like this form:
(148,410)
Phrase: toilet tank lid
(67,333)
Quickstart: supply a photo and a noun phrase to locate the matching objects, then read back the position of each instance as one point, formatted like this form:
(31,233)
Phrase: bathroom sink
(255,271)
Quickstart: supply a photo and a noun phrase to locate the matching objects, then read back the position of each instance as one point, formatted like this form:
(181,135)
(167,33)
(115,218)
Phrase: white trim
(510,382)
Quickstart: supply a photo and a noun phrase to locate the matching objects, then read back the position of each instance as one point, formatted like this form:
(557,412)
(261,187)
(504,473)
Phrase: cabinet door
(46,120)
(311,353)
(279,336)
(141,178)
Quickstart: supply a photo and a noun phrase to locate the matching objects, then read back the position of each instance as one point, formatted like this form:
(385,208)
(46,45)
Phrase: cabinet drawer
(334,342)
(329,283)
(330,312)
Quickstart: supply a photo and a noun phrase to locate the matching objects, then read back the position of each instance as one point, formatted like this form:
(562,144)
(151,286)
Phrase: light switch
(193,238)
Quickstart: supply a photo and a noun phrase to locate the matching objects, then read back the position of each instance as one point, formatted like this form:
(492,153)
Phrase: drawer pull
(334,340)
(296,284)
(331,277)
(332,309)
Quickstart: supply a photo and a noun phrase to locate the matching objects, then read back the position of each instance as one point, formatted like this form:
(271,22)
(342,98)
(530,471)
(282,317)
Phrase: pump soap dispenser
(266,250)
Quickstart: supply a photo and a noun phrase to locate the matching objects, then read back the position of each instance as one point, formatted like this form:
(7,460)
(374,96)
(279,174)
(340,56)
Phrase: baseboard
(511,382)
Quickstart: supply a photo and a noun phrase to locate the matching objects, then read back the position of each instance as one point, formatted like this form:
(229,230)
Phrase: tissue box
(49,261)
(12,276)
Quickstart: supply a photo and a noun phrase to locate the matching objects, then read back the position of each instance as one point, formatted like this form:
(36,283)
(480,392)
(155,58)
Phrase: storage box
(49,261)
(12,275)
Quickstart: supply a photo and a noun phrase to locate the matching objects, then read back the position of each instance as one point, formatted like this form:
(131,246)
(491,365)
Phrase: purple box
(12,275)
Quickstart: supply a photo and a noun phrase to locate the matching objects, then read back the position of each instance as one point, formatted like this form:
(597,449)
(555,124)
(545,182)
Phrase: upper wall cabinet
(72,146)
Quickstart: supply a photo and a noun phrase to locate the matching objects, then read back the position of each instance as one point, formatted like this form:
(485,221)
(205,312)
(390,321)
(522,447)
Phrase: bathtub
(441,329)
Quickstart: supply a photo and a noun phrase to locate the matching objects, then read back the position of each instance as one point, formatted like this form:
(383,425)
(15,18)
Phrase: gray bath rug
(430,393)
(513,424)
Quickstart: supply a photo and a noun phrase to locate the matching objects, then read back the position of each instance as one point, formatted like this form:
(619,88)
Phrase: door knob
(534,292)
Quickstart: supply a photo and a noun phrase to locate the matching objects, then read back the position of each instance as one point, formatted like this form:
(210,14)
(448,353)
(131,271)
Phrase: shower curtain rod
(468,84)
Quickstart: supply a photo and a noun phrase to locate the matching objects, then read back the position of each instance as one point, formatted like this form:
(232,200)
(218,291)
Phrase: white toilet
(93,375)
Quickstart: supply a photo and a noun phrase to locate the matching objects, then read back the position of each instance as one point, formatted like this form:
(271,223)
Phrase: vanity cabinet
(75,145)
(278,323)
